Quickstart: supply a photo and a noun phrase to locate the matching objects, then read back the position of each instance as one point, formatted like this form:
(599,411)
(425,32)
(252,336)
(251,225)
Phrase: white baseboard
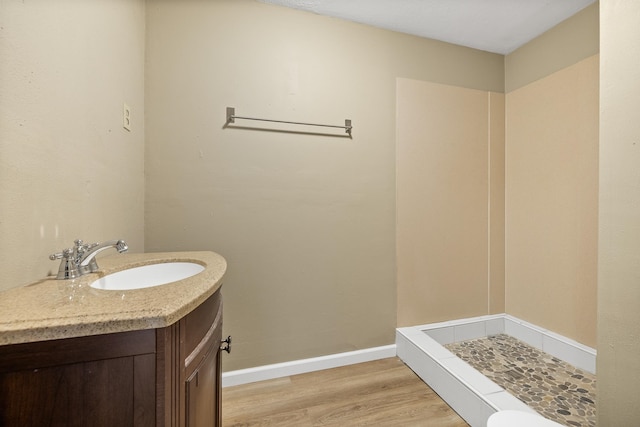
(279,370)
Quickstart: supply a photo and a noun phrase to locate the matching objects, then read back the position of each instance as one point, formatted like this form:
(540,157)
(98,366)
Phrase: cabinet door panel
(108,392)
(202,393)
(83,394)
(41,397)
(144,391)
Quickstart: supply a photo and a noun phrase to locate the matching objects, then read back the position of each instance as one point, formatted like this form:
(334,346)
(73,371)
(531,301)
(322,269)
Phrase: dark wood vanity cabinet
(154,377)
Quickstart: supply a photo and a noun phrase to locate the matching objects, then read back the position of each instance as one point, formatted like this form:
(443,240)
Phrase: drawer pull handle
(226,344)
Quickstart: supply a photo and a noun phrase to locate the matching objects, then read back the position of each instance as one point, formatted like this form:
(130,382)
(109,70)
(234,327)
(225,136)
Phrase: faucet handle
(64,254)
(80,248)
(68,266)
(79,244)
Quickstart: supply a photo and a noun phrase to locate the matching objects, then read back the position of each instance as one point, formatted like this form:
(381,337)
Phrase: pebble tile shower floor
(555,389)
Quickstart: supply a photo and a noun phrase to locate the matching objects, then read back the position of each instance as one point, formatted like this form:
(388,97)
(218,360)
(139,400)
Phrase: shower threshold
(470,393)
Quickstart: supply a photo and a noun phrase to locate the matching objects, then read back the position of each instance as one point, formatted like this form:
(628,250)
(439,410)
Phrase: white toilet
(511,418)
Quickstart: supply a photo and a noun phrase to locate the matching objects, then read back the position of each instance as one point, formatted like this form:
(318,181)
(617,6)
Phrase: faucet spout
(87,254)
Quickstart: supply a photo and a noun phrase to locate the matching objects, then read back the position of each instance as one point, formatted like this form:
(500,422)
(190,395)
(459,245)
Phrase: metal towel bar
(231,117)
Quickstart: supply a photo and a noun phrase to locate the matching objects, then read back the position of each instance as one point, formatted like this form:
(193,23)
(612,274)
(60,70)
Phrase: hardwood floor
(379,393)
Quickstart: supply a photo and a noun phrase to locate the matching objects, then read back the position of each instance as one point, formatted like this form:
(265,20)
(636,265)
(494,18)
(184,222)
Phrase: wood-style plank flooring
(380,393)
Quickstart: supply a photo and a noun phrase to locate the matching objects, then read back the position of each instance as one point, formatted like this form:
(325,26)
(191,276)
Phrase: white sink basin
(147,276)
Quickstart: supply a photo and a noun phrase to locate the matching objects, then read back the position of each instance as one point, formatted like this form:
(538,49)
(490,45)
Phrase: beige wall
(451,226)
(619,236)
(443,168)
(552,201)
(551,178)
(496,203)
(565,44)
(306,222)
(67,167)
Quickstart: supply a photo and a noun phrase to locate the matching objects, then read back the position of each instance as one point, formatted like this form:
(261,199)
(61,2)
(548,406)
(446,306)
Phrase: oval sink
(147,276)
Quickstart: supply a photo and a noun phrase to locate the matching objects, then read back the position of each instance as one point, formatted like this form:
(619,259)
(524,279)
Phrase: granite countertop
(53,309)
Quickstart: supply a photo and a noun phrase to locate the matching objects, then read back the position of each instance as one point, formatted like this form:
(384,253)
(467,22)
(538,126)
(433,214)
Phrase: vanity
(74,355)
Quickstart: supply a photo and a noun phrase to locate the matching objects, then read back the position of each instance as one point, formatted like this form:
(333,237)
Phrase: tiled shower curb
(472,395)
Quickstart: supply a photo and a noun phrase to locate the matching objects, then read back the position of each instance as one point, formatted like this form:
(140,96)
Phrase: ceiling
(498,26)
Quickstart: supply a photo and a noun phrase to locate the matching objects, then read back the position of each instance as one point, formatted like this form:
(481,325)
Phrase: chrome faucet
(81,259)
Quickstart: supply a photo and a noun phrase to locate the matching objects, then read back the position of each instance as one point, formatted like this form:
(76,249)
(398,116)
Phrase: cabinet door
(202,333)
(102,380)
(202,407)
(101,393)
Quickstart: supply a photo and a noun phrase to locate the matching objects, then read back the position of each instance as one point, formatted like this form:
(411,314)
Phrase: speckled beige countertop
(52,309)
